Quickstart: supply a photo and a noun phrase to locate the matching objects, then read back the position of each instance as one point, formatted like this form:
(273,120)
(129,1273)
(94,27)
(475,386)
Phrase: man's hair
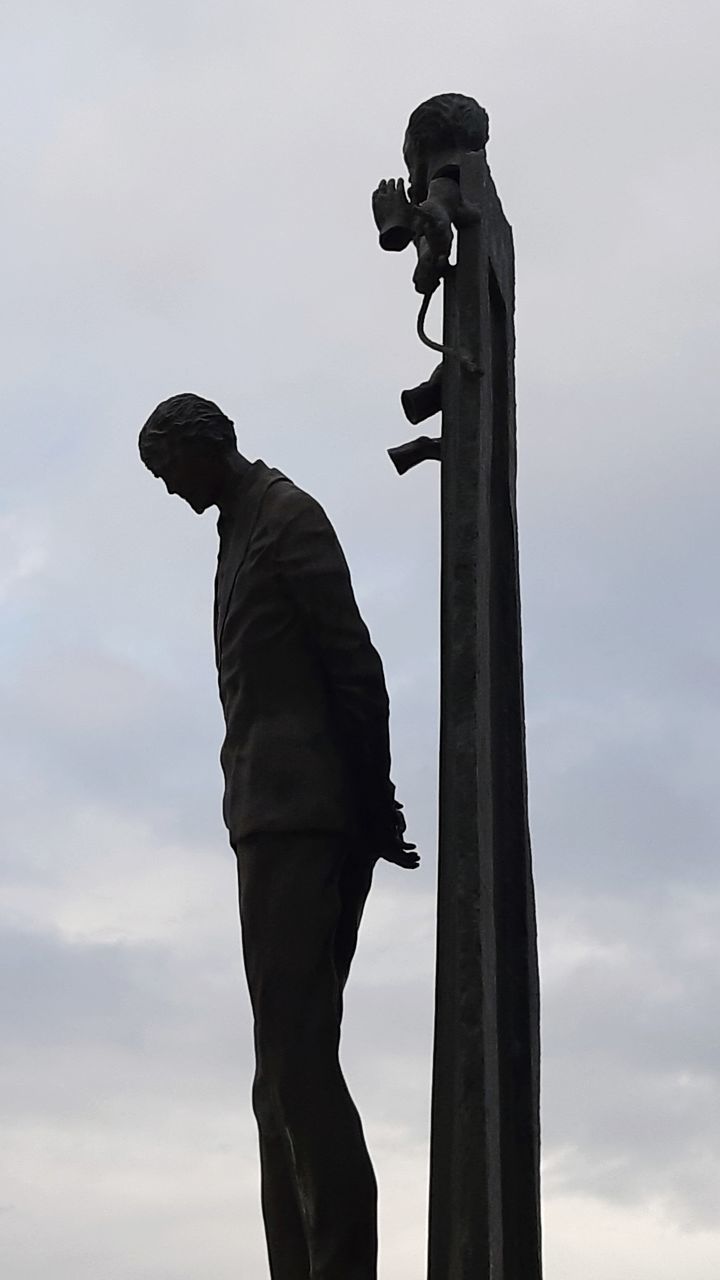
(448,121)
(181,420)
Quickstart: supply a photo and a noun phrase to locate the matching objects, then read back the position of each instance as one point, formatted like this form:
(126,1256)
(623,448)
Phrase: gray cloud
(187,206)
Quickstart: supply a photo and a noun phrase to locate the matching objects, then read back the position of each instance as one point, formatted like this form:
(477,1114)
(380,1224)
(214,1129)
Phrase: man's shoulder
(286,502)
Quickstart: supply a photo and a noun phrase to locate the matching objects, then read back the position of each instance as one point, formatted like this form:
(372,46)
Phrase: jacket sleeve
(315,575)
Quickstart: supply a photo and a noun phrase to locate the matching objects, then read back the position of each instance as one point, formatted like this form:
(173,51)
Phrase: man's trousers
(301,901)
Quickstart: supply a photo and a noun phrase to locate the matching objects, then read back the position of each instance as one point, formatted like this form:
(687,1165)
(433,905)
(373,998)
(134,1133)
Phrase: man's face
(417,170)
(194,473)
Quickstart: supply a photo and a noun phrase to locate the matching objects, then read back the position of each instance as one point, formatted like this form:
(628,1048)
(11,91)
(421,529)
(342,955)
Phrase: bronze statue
(439,134)
(309,807)
(484,1215)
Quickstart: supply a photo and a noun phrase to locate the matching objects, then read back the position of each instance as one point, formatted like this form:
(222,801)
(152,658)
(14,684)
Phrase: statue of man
(439,133)
(309,806)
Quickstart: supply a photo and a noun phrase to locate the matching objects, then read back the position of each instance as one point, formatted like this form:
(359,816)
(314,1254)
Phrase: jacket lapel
(244,519)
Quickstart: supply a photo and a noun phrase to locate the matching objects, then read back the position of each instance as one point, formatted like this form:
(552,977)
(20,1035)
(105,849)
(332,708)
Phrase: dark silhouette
(440,134)
(309,807)
(485,1129)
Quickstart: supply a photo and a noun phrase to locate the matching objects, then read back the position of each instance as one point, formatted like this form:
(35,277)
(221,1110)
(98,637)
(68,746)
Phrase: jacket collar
(236,527)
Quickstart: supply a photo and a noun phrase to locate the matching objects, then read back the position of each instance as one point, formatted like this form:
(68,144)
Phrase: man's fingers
(407,857)
(409,863)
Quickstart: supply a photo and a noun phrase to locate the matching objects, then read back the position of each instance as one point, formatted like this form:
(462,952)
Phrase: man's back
(301,685)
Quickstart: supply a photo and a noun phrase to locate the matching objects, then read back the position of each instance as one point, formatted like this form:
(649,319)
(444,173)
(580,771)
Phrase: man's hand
(399,850)
(393,214)
(435,219)
(434,245)
(429,270)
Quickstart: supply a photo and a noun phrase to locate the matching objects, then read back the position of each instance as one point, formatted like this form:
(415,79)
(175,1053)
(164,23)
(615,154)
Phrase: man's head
(188,442)
(449,122)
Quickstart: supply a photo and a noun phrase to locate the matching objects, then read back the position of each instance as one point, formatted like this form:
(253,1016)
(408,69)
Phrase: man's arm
(315,575)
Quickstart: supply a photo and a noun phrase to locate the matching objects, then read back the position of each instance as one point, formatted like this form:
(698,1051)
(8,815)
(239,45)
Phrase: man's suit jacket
(302,688)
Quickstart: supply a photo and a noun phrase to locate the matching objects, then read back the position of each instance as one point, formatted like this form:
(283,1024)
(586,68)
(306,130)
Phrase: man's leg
(355,881)
(282,1215)
(294,909)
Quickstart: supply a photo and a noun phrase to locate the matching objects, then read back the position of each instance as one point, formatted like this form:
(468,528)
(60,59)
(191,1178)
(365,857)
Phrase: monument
(484,1179)
(309,803)
(309,807)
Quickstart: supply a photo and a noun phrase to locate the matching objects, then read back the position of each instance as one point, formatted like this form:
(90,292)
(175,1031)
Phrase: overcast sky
(186,206)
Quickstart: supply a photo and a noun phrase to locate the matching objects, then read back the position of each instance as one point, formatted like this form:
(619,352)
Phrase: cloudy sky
(186,207)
